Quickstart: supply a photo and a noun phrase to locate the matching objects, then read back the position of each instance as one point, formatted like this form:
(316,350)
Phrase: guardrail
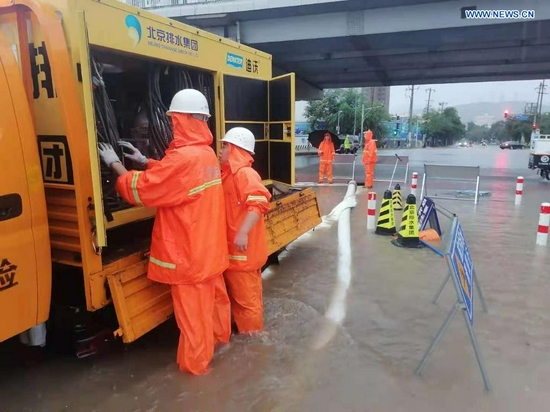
(461,180)
(388,163)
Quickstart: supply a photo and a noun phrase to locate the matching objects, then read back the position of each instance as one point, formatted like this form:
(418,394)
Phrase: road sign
(463,269)
(522,117)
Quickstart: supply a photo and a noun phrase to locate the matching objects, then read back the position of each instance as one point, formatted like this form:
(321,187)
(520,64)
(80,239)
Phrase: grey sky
(456,94)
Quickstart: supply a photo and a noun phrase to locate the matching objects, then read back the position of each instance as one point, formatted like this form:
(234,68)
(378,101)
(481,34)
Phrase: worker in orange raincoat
(246,202)
(326,153)
(370,155)
(188,246)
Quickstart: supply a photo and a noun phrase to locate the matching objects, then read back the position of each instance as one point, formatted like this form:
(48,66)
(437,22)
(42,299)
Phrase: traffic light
(395,132)
(535,126)
(506,114)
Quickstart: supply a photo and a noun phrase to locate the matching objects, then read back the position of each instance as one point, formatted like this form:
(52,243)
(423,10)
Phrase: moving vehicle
(511,145)
(354,141)
(67,240)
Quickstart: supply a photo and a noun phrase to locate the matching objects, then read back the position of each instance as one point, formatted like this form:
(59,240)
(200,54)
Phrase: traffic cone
(408,232)
(386,218)
(396,198)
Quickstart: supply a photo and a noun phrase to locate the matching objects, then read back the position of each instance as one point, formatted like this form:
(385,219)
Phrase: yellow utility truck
(74,73)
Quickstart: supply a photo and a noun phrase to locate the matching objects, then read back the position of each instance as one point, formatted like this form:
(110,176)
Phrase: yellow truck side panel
(24,260)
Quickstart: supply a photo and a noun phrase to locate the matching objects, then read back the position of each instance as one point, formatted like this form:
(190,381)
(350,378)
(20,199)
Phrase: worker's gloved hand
(135,155)
(107,154)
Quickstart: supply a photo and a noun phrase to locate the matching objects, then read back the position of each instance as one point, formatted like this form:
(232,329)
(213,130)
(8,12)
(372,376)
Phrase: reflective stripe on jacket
(188,244)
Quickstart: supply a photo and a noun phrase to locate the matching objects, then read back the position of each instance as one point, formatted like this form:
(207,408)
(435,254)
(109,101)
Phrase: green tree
(477,133)
(444,127)
(347,102)
(516,128)
(498,131)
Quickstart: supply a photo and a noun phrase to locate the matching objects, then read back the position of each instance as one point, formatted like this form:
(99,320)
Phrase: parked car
(512,145)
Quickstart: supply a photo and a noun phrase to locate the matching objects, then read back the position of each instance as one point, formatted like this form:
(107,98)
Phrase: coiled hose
(107,132)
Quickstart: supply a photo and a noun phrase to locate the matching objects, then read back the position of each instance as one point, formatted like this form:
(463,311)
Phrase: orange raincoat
(244,192)
(188,247)
(370,155)
(326,153)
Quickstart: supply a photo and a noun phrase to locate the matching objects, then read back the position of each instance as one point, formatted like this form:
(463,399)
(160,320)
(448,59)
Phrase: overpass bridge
(359,43)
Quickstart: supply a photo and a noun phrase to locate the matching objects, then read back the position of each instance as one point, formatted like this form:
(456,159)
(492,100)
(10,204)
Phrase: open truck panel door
(281,129)
(245,104)
(25,267)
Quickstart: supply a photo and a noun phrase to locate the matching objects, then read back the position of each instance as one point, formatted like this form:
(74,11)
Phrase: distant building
(377,94)
(484,120)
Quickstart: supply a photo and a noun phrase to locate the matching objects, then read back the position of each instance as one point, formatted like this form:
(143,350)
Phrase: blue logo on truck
(235,60)
(134,28)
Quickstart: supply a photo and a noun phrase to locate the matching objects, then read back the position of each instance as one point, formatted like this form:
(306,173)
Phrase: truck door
(24,242)
(281,129)
(245,104)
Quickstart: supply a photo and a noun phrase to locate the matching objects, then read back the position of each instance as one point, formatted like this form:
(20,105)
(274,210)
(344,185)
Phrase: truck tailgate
(140,303)
(291,217)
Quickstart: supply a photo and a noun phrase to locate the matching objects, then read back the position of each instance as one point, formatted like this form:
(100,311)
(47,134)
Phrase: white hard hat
(241,137)
(189,101)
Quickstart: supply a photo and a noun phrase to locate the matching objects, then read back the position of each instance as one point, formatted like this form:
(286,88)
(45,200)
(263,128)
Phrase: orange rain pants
(245,292)
(325,167)
(203,315)
(369,174)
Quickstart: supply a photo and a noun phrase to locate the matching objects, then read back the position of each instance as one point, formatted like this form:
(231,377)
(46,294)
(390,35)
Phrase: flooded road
(368,363)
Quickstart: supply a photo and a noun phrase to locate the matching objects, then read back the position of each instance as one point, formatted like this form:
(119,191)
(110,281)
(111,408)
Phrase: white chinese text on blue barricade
(427,214)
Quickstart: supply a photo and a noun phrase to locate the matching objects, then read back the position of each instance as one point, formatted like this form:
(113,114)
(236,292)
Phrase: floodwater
(364,360)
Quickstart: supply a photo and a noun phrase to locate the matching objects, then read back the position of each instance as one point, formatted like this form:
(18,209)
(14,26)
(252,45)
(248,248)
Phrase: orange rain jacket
(244,192)
(326,151)
(186,188)
(370,153)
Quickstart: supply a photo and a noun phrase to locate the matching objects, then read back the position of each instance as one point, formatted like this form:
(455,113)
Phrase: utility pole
(355,113)
(441,106)
(409,134)
(362,120)
(430,90)
(538,110)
